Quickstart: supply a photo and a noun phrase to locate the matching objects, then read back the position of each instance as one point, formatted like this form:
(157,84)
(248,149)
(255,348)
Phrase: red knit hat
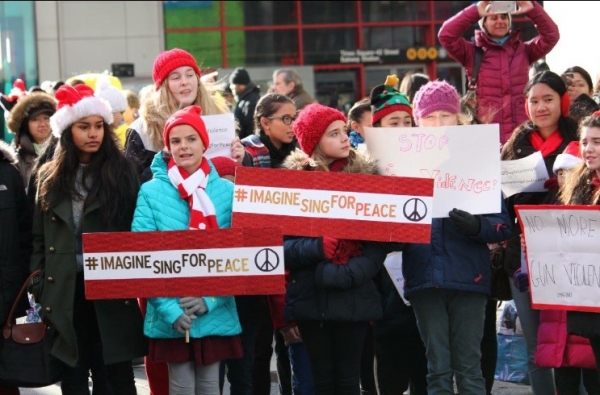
(74,103)
(225,166)
(187,116)
(311,124)
(570,157)
(168,61)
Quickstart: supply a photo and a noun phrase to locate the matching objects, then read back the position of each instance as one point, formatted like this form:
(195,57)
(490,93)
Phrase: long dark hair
(113,179)
(268,105)
(566,125)
(578,188)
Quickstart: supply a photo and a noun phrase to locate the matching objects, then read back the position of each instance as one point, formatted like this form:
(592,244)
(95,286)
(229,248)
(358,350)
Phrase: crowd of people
(86,159)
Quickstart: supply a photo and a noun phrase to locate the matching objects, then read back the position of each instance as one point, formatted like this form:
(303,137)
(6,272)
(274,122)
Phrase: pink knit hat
(435,96)
(170,60)
(311,124)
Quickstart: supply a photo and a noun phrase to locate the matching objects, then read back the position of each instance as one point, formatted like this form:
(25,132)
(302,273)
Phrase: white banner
(216,262)
(524,175)
(315,203)
(464,161)
(563,255)
(221,131)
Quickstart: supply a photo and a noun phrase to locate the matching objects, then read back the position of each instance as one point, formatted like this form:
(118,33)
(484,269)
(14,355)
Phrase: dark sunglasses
(285,119)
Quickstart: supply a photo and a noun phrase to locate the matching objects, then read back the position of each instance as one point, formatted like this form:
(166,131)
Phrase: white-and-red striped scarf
(193,189)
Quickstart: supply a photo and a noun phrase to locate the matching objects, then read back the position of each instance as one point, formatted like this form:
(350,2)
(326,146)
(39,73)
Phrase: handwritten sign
(463,161)
(221,131)
(212,262)
(524,175)
(342,205)
(563,251)
(393,265)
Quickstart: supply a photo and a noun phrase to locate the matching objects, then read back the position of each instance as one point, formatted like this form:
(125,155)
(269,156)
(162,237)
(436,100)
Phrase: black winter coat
(244,109)
(15,234)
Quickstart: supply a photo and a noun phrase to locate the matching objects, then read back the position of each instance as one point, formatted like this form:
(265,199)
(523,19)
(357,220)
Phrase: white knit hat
(570,157)
(74,103)
(112,95)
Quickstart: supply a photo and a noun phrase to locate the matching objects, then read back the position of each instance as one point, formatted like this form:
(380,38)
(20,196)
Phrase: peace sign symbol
(266,260)
(415,209)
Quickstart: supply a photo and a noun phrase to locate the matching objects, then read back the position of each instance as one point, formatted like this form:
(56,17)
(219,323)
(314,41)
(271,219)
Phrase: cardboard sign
(563,251)
(524,175)
(221,131)
(212,262)
(464,161)
(341,205)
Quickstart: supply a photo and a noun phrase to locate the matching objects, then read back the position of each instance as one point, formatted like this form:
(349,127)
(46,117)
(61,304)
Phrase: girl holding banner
(582,187)
(448,281)
(549,130)
(78,192)
(331,293)
(187,193)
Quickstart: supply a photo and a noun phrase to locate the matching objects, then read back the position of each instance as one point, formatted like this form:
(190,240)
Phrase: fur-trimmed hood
(358,163)
(25,106)
(7,153)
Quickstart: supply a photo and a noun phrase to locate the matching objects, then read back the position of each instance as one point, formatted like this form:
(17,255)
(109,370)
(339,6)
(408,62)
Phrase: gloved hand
(346,249)
(193,305)
(329,246)
(521,280)
(551,184)
(183,323)
(466,222)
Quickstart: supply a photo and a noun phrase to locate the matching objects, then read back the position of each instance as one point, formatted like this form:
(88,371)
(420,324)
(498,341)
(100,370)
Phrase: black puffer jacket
(244,109)
(15,237)
(323,291)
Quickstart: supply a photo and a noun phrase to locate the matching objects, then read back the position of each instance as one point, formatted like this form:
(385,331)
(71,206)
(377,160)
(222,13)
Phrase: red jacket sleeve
(451,36)
(548,36)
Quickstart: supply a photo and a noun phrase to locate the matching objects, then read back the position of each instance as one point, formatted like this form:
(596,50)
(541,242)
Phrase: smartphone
(502,7)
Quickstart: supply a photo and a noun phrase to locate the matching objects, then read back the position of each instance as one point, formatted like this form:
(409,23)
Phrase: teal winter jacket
(159,207)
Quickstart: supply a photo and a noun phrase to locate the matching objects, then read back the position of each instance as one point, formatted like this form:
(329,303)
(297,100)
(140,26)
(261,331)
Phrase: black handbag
(500,280)
(25,359)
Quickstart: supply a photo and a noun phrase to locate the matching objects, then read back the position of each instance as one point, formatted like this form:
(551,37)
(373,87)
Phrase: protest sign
(341,205)
(212,262)
(221,131)
(464,162)
(563,251)
(524,175)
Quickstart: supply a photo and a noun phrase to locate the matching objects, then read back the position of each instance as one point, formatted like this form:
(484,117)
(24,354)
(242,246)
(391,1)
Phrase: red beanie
(187,116)
(168,61)
(225,166)
(311,124)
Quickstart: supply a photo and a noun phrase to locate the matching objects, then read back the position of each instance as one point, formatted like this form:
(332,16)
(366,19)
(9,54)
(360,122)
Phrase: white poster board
(221,132)
(563,256)
(524,175)
(464,162)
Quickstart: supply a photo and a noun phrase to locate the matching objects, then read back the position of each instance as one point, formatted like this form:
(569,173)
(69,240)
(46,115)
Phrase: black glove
(466,222)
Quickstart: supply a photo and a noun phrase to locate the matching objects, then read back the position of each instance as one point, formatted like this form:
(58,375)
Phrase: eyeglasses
(285,119)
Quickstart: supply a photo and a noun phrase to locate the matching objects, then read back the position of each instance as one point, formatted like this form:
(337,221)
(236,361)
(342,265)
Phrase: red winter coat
(504,69)
(556,348)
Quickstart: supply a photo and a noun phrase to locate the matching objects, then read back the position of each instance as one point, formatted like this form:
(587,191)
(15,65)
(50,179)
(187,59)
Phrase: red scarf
(338,165)
(595,181)
(193,189)
(548,146)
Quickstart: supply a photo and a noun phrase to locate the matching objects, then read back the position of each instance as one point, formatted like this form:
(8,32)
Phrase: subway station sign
(392,55)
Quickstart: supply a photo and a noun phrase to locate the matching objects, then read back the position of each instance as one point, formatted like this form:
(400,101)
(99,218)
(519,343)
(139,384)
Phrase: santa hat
(112,95)
(385,99)
(311,124)
(187,116)
(75,103)
(570,157)
(168,61)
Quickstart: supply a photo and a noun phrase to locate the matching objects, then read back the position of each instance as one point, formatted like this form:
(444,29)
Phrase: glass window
(186,14)
(388,11)
(262,48)
(205,46)
(260,13)
(336,88)
(447,9)
(323,45)
(328,11)
(394,37)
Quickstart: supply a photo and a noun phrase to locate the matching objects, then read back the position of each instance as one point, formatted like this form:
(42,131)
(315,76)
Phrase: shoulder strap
(9,319)
(476,65)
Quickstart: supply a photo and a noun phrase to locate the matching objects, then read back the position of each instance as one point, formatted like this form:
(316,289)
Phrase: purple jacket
(504,69)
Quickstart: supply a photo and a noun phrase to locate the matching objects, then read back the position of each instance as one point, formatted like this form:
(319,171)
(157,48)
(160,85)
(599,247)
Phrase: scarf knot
(548,146)
(192,188)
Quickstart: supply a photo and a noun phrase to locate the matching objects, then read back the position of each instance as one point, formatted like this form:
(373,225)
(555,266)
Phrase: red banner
(341,205)
(213,262)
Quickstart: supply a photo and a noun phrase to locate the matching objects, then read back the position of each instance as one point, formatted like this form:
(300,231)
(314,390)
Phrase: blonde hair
(161,104)
(319,158)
